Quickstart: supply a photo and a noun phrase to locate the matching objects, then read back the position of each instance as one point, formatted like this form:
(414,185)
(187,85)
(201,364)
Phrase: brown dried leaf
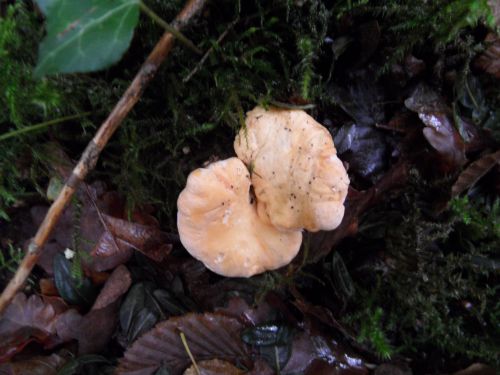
(474,172)
(489,60)
(208,336)
(94,330)
(115,287)
(149,240)
(26,320)
(38,365)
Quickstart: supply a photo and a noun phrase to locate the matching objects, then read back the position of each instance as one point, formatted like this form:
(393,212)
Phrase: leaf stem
(156,18)
(45,124)
(186,346)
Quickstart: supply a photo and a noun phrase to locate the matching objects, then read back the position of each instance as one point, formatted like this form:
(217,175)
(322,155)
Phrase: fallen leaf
(116,286)
(439,130)
(94,330)
(213,367)
(77,365)
(474,172)
(362,99)
(149,240)
(76,291)
(489,60)
(208,336)
(37,365)
(308,350)
(364,149)
(26,320)
(477,369)
(48,287)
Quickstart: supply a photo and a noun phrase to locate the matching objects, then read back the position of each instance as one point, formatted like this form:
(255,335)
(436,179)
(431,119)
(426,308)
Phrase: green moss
(437,287)
(423,25)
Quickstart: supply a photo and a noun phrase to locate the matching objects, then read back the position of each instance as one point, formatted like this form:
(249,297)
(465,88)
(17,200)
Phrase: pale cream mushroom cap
(298,179)
(218,224)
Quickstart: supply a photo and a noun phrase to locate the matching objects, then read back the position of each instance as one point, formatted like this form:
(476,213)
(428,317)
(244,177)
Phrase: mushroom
(298,179)
(218,223)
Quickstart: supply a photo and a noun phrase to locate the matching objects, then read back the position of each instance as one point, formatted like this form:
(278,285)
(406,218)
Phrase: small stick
(205,56)
(89,157)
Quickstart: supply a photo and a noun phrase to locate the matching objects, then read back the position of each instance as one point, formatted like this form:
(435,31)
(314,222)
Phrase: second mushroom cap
(298,179)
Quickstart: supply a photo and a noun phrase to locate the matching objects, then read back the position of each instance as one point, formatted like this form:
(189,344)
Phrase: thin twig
(210,50)
(160,21)
(45,124)
(89,157)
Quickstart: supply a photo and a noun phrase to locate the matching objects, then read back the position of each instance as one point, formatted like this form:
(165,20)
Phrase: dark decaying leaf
(474,172)
(470,94)
(149,240)
(94,330)
(273,342)
(37,365)
(115,287)
(322,243)
(26,320)
(489,60)
(439,130)
(362,99)
(208,336)
(214,367)
(309,351)
(267,335)
(76,365)
(144,306)
(75,291)
(109,245)
(364,148)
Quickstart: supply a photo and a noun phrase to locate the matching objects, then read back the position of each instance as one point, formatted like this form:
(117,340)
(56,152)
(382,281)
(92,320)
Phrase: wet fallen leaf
(362,99)
(489,60)
(149,240)
(48,287)
(477,369)
(116,286)
(322,243)
(37,365)
(94,330)
(208,336)
(439,130)
(364,148)
(74,290)
(77,365)
(474,172)
(310,350)
(26,320)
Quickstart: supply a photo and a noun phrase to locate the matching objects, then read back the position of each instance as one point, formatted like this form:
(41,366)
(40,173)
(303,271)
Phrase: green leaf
(45,5)
(76,292)
(85,35)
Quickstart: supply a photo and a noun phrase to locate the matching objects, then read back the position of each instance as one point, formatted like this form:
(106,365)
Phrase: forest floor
(407,284)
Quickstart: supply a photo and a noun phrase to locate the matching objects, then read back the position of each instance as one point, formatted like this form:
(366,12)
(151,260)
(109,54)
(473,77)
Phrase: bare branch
(89,157)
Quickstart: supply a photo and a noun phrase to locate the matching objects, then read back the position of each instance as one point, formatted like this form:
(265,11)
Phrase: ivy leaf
(85,35)
(72,290)
(45,5)
(208,336)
